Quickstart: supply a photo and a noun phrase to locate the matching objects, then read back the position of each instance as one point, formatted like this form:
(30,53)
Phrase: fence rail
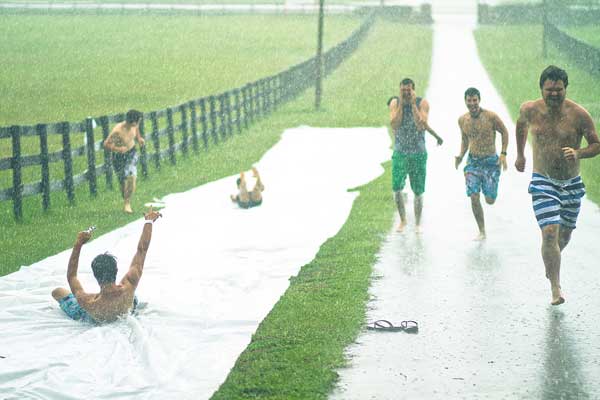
(584,55)
(191,126)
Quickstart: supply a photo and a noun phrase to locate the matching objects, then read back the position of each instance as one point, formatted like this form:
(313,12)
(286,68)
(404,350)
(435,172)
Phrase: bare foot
(401,227)
(557,297)
(128,209)
(480,238)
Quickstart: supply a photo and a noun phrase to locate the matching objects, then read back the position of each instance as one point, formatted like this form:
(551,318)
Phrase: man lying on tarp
(114,300)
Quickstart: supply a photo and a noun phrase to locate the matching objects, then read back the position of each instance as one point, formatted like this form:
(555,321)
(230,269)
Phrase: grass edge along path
(298,346)
(515,72)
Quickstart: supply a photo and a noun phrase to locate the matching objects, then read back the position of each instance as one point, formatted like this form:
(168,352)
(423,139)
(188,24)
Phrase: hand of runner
(502,162)
(457,161)
(570,153)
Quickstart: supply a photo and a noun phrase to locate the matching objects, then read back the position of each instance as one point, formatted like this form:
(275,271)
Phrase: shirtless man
(408,119)
(114,300)
(121,142)
(246,199)
(557,126)
(478,129)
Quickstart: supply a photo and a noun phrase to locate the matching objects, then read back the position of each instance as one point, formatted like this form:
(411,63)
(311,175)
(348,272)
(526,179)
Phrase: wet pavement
(487,330)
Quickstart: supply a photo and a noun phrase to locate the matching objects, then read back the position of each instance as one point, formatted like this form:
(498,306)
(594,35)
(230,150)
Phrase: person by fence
(121,142)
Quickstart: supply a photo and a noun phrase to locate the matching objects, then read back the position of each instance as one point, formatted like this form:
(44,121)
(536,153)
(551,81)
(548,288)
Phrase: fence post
(213,118)
(108,170)
(204,120)
(17,189)
(171,134)
(238,111)
(65,130)
(184,129)
(155,139)
(194,125)
(228,113)
(223,125)
(251,100)
(42,132)
(143,152)
(245,104)
(91,156)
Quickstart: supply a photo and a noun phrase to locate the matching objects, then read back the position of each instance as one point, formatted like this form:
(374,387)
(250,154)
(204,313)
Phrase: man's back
(112,302)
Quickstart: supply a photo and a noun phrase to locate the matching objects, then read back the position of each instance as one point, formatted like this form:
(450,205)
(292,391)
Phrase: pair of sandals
(384,325)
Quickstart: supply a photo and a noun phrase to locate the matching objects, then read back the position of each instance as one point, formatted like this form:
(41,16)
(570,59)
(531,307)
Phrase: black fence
(584,55)
(179,130)
(564,12)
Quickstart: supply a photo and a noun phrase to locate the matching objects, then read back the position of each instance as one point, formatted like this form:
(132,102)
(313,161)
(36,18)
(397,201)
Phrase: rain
(222,199)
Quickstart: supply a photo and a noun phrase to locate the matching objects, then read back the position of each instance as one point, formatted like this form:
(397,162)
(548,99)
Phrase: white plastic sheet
(213,272)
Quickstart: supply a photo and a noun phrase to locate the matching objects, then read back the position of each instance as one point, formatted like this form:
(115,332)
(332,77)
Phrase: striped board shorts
(556,201)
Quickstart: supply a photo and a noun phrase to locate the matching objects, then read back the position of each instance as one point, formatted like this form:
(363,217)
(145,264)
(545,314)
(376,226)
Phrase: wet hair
(104,267)
(133,116)
(554,74)
(407,81)
(472,92)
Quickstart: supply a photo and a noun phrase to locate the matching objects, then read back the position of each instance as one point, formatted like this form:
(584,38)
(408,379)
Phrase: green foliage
(515,71)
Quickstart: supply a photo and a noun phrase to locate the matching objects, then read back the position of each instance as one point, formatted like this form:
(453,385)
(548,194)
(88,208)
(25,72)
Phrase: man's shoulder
(576,108)
(464,118)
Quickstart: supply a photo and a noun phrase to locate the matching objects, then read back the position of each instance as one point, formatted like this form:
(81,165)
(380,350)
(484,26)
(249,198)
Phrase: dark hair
(104,267)
(555,74)
(407,81)
(472,92)
(133,116)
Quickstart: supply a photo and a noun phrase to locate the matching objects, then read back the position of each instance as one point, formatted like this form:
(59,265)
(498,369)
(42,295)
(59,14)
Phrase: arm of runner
(500,127)
(132,277)
(464,144)
(421,114)
(591,136)
(434,134)
(139,137)
(395,112)
(74,284)
(109,143)
(522,130)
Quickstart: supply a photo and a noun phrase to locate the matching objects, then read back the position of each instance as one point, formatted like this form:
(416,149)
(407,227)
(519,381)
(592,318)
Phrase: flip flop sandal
(387,326)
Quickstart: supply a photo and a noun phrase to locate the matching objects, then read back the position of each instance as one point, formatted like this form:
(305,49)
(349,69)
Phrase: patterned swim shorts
(482,174)
(556,201)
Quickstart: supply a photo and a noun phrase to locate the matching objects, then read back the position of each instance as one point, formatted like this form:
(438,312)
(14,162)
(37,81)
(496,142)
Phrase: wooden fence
(189,127)
(584,55)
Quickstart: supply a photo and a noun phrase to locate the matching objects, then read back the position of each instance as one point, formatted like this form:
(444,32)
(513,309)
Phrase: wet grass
(57,68)
(589,34)
(515,71)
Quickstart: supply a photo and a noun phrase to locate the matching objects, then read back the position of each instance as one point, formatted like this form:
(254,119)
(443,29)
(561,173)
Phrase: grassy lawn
(294,352)
(589,34)
(57,68)
(114,63)
(515,71)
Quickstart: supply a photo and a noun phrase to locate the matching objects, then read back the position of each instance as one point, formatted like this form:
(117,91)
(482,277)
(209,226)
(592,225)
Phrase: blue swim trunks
(556,202)
(74,311)
(482,174)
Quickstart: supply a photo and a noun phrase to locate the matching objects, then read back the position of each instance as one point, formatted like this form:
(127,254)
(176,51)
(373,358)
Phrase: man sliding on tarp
(244,198)
(114,300)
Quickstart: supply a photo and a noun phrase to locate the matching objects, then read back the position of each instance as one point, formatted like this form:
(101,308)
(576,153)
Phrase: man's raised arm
(137,264)
(74,284)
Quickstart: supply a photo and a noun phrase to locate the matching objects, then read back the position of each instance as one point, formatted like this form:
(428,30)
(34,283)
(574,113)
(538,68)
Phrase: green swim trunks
(413,165)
